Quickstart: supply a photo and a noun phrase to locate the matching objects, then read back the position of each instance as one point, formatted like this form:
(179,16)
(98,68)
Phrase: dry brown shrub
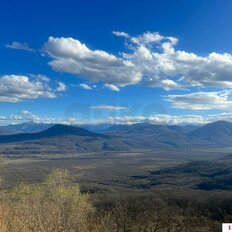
(56,205)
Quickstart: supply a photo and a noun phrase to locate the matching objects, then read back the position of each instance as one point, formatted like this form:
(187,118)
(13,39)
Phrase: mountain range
(124,137)
(27,127)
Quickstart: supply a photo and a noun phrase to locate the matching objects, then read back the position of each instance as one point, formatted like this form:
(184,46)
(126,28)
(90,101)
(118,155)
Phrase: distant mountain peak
(62,129)
(220,122)
(57,130)
(29,122)
(219,132)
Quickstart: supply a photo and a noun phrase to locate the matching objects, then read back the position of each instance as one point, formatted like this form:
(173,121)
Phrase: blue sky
(115,61)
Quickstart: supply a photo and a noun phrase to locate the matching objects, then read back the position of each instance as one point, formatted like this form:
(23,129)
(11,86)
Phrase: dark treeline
(168,211)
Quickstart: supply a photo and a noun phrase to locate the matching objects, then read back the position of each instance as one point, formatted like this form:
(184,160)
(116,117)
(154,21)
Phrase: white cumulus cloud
(201,100)
(71,56)
(16,88)
(152,60)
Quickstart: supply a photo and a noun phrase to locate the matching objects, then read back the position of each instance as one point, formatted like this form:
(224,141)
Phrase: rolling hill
(156,136)
(57,130)
(65,139)
(219,132)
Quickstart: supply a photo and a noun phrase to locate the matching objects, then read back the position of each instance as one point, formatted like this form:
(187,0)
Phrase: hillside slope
(219,132)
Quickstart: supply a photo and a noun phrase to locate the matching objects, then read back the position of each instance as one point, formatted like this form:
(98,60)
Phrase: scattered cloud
(158,119)
(112,87)
(61,87)
(147,38)
(170,84)
(25,112)
(20,46)
(85,86)
(109,108)
(152,60)
(17,88)
(121,34)
(164,119)
(201,100)
(25,116)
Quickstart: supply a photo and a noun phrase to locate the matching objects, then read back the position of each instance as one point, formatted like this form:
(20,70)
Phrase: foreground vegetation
(58,205)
